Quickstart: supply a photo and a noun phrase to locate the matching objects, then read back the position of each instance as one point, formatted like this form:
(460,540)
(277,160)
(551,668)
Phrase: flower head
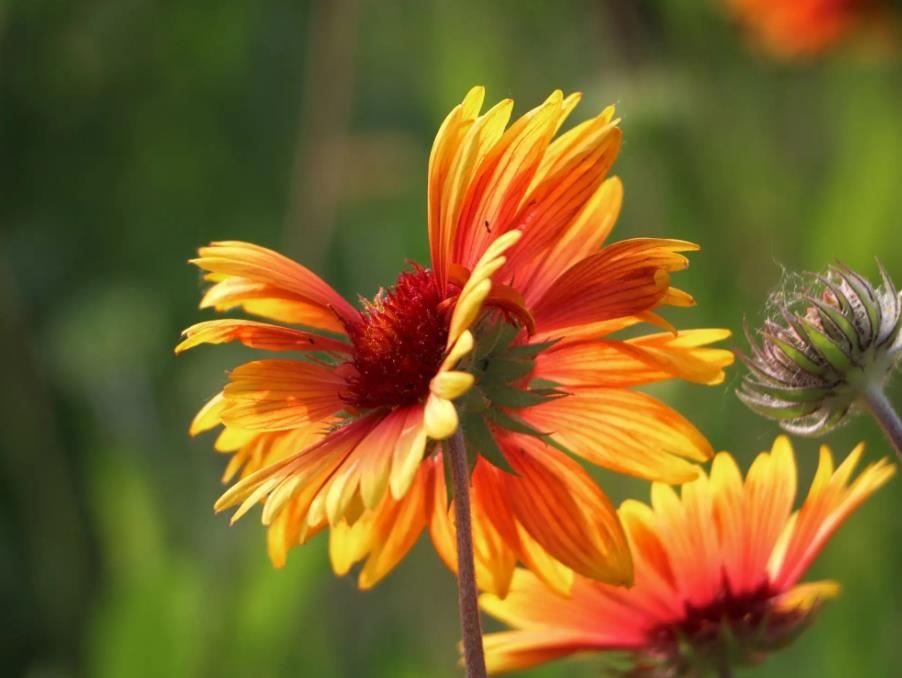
(508,334)
(826,348)
(717,573)
(805,27)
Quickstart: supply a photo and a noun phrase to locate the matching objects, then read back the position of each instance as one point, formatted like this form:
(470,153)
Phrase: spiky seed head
(822,348)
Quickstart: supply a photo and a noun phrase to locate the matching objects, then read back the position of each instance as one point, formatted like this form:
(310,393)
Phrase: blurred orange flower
(716,573)
(507,335)
(799,27)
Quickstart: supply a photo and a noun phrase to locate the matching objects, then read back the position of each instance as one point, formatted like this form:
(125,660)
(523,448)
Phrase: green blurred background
(132,131)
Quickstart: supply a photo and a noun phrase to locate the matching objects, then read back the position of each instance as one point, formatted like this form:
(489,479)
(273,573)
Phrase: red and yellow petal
(270,395)
(234,259)
(257,335)
(551,210)
(559,505)
(445,188)
(584,235)
(268,301)
(831,499)
(499,185)
(551,626)
(623,279)
(642,360)
(626,431)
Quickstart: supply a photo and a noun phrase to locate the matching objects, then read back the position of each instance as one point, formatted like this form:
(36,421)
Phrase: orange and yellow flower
(508,335)
(802,27)
(716,573)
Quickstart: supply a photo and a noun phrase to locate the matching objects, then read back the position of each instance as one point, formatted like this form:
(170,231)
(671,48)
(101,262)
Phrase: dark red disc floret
(399,342)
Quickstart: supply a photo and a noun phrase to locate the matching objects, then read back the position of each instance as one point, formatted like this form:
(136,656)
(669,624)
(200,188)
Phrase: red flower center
(399,342)
(731,627)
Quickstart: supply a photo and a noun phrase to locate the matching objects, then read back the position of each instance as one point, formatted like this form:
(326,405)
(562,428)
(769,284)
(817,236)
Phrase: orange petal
(269,395)
(633,362)
(376,465)
(830,501)
(442,183)
(508,651)
(305,471)
(288,529)
(654,595)
(396,528)
(551,625)
(263,449)
(261,265)
(554,205)
(625,431)
(269,302)
(731,516)
(257,335)
(209,416)
(770,490)
(582,237)
(503,177)
(565,511)
(686,534)
(408,451)
(349,544)
(623,279)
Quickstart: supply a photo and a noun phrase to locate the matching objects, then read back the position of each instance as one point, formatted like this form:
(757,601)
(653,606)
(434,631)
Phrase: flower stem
(882,410)
(474,658)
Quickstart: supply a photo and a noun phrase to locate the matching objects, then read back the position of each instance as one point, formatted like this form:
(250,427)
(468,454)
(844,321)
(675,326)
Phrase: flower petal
(396,527)
(440,417)
(503,177)
(209,416)
(477,287)
(269,395)
(831,499)
(408,451)
(564,510)
(625,431)
(257,335)
(624,279)
(637,361)
(258,264)
(574,174)
(442,182)
(268,301)
(451,385)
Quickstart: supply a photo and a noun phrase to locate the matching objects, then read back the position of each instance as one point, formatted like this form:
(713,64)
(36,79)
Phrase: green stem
(882,410)
(474,657)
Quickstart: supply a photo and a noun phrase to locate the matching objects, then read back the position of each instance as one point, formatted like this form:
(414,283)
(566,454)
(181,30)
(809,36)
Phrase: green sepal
(843,325)
(473,401)
(871,305)
(500,334)
(792,394)
(799,358)
(510,396)
(505,370)
(481,442)
(538,383)
(832,353)
(774,410)
(529,351)
(512,423)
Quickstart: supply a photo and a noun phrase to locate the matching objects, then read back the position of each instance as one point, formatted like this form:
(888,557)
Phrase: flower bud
(824,349)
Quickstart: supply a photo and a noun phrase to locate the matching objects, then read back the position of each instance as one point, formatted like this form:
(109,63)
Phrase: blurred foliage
(133,131)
